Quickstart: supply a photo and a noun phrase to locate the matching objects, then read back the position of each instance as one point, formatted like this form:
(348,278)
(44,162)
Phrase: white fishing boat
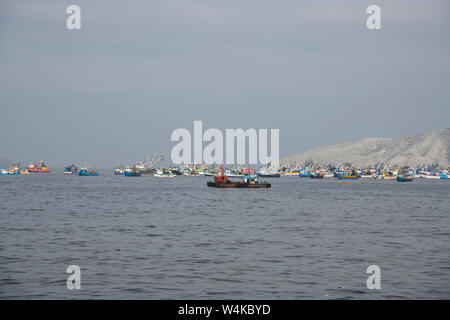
(189,172)
(160,173)
(269,172)
(14,169)
(428,175)
(140,166)
(232,173)
(368,176)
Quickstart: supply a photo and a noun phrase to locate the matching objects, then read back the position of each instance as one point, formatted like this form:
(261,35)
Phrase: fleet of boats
(249,177)
(14,170)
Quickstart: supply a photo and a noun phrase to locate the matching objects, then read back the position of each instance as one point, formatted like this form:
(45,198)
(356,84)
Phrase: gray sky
(114,91)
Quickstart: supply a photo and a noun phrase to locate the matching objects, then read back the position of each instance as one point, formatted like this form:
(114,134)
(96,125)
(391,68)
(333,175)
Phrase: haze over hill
(427,148)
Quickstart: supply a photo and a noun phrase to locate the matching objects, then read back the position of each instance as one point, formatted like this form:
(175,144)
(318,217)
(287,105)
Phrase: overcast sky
(114,91)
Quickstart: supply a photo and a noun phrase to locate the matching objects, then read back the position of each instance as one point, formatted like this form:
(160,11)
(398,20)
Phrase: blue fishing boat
(88,171)
(70,170)
(84,172)
(131,173)
(348,176)
(404,178)
(444,175)
(304,174)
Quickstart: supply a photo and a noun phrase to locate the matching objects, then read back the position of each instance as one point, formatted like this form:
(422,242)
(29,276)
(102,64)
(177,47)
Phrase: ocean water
(158,238)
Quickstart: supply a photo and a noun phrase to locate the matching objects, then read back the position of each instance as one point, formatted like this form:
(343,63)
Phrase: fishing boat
(404,179)
(38,167)
(88,171)
(428,175)
(187,172)
(348,176)
(444,174)
(316,175)
(249,180)
(131,172)
(84,172)
(119,171)
(368,173)
(14,169)
(201,171)
(304,174)
(178,171)
(161,173)
(71,170)
(389,175)
(232,173)
(268,173)
(404,176)
(432,176)
(328,175)
(291,173)
(140,166)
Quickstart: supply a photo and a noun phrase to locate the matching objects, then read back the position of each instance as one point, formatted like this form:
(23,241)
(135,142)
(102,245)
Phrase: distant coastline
(423,149)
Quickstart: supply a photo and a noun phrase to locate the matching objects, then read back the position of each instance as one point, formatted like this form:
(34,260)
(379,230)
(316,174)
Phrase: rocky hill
(423,149)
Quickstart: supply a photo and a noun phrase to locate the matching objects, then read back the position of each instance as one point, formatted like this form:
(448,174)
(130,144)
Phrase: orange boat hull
(39,170)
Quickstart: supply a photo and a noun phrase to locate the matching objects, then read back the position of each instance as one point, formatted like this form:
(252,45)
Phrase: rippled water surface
(155,238)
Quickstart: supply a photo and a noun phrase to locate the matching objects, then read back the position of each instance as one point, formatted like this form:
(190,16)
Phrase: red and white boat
(38,167)
(428,175)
